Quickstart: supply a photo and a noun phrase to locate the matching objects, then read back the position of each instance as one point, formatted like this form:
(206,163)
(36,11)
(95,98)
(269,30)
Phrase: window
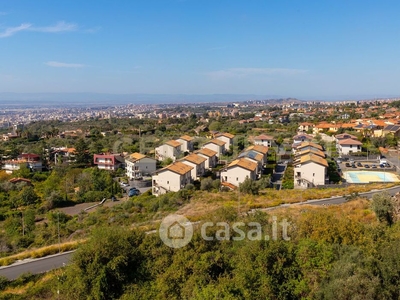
(237,178)
(167,182)
(313,174)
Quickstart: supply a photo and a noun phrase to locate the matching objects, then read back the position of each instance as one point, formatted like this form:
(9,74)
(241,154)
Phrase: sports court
(369,176)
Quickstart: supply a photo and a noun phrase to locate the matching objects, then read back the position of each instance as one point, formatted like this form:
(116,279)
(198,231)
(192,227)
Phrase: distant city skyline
(327,50)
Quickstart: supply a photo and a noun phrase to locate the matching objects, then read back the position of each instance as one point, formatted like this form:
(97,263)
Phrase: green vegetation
(288,178)
(345,252)
(333,174)
(358,257)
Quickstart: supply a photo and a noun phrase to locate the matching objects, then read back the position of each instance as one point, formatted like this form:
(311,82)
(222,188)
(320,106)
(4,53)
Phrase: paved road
(36,266)
(278,175)
(48,263)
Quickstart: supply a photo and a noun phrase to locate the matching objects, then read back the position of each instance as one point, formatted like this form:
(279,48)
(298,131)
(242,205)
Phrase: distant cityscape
(27,112)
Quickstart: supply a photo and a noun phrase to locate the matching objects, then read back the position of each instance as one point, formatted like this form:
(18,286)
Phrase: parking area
(364,165)
(132,185)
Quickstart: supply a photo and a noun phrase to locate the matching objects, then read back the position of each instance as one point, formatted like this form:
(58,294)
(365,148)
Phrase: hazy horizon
(68,99)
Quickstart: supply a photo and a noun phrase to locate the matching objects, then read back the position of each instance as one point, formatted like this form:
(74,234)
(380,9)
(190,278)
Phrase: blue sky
(304,49)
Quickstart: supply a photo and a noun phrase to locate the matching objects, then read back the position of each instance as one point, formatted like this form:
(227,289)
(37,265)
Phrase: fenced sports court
(369,176)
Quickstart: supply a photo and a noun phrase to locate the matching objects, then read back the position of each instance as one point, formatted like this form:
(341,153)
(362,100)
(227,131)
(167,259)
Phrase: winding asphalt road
(44,264)
(36,266)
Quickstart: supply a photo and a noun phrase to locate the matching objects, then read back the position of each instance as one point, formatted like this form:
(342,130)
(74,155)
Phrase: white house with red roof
(172,178)
(348,146)
(227,138)
(170,149)
(216,145)
(186,143)
(32,161)
(237,172)
(210,156)
(197,162)
(310,169)
(263,140)
(138,164)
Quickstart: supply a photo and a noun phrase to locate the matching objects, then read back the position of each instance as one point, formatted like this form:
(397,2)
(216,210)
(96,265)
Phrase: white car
(123,184)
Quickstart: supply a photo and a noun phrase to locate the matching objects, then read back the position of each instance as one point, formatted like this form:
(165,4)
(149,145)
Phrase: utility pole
(59,238)
(23,223)
(398,160)
(239,200)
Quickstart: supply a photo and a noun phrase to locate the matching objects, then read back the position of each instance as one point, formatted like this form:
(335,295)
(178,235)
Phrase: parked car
(366,166)
(133,192)
(353,165)
(123,184)
(347,165)
(373,166)
(381,166)
(359,164)
(388,165)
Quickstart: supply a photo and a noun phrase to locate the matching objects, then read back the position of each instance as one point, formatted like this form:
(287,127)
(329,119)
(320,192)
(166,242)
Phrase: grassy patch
(41,252)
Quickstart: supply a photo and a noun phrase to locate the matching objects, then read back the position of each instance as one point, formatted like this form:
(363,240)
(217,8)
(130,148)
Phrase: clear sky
(303,49)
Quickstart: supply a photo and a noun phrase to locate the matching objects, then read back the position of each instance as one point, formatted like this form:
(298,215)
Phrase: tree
(103,265)
(28,196)
(81,152)
(23,172)
(249,186)
(206,184)
(215,126)
(383,207)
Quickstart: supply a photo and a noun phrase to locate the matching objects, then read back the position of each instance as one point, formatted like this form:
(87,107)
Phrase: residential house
(237,172)
(263,140)
(216,145)
(197,162)
(227,138)
(170,149)
(30,160)
(255,157)
(308,145)
(310,170)
(300,138)
(9,136)
(306,126)
(308,151)
(321,127)
(211,157)
(172,178)
(63,155)
(260,149)
(138,164)
(348,146)
(111,162)
(392,129)
(186,143)
(344,136)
